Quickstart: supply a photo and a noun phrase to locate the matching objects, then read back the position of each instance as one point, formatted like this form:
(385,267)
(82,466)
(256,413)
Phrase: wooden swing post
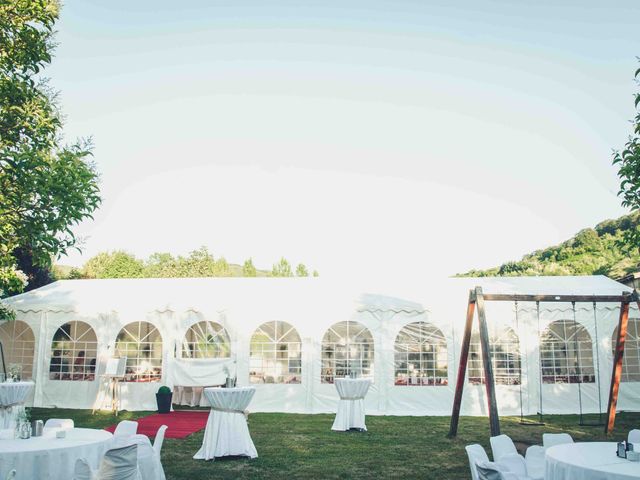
(476,300)
(616,375)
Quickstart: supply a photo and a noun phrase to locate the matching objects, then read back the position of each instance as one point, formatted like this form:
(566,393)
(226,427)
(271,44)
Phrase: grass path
(303,446)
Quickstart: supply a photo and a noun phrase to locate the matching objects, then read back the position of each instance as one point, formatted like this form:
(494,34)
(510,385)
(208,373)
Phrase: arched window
(420,355)
(631,357)
(141,343)
(566,353)
(73,352)
(206,340)
(347,349)
(276,354)
(18,345)
(505,357)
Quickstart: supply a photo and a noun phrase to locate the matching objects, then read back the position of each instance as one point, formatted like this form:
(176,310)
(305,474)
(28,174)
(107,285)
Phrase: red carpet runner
(181,424)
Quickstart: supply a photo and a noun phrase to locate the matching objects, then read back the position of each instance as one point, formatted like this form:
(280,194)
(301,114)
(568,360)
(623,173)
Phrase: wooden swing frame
(476,302)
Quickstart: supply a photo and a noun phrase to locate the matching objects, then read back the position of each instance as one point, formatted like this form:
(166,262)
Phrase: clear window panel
(141,343)
(420,356)
(275,354)
(504,349)
(206,340)
(18,345)
(566,353)
(347,349)
(73,352)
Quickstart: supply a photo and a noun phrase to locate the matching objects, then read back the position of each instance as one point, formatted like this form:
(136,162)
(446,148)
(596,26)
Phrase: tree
(281,269)
(628,162)
(301,270)
(117,264)
(248,269)
(45,187)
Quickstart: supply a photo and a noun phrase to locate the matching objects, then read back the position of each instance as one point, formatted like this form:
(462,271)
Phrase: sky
(377,138)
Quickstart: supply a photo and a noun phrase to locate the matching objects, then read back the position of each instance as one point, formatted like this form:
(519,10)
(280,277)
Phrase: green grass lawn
(303,446)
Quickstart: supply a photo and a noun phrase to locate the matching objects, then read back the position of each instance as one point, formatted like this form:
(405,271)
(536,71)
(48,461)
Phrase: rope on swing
(578,363)
(540,422)
(595,322)
(520,364)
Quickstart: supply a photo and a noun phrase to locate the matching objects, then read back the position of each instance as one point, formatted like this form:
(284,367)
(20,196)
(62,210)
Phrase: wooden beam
(494,420)
(462,367)
(506,297)
(617,364)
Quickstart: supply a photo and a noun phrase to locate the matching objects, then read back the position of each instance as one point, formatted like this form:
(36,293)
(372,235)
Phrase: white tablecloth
(50,458)
(12,398)
(350,412)
(588,461)
(227,432)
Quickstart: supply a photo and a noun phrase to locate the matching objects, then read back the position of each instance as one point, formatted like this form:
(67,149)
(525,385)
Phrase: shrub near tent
(163,398)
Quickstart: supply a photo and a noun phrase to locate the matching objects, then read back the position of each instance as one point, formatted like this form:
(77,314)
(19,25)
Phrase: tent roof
(207,294)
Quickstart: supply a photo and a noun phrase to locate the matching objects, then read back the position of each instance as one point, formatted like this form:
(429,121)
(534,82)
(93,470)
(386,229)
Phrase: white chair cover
(476,455)
(552,439)
(59,423)
(149,463)
(126,428)
(502,445)
(82,470)
(634,436)
(534,460)
(120,464)
(157,442)
(513,462)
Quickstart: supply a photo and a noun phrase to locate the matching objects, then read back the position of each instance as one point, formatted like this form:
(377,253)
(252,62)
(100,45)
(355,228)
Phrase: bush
(164,390)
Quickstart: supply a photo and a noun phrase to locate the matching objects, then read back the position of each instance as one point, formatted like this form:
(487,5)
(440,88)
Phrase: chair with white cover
(553,439)
(157,442)
(476,455)
(126,428)
(59,423)
(11,475)
(502,445)
(493,471)
(148,460)
(634,436)
(505,454)
(120,464)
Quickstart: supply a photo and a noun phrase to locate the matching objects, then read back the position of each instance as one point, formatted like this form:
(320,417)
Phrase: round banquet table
(588,461)
(51,458)
(350,412)
(227,432)
(12,398)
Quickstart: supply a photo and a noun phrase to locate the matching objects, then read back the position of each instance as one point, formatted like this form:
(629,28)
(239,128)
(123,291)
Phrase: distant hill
(592,251)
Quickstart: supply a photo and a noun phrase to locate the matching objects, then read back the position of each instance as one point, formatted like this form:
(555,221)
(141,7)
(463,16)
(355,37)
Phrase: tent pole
(462,367)
(494,420)
(4,365)
(616,374)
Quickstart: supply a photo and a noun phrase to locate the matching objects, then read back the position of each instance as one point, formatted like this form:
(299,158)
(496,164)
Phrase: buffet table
(350,412)
(588,461)
(227,432)
(51,458)
(13,395)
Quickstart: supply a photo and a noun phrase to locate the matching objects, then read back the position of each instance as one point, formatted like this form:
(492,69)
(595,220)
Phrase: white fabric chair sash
(120,464)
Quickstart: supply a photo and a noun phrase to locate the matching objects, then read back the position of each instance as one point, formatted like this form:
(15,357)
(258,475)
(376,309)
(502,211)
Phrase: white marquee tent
(291,336)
